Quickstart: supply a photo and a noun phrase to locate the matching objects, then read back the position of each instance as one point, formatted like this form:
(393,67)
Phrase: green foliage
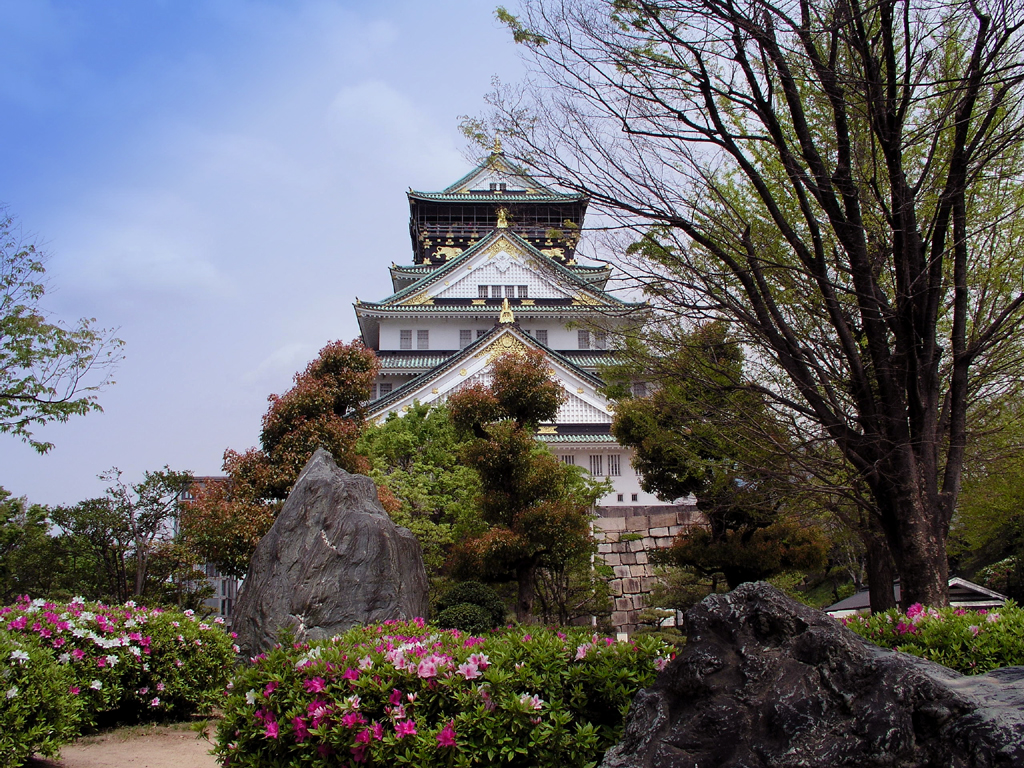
(535,506)
(38,711)
(25,546)
(971,642)
(45,367)
(466,617)
(128,663)
(401,694)
(473,593)
(415,459)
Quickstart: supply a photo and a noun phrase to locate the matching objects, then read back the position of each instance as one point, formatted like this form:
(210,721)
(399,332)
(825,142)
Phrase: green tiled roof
(390,362)
(495,197)
(577,438)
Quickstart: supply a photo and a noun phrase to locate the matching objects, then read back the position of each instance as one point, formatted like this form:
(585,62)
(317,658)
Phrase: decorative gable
(496,171)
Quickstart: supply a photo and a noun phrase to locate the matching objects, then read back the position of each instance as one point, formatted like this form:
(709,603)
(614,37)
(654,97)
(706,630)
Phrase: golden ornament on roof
(506,315)
(502,218)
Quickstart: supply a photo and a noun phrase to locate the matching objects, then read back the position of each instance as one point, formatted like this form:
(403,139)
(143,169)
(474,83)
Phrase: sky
(218,180)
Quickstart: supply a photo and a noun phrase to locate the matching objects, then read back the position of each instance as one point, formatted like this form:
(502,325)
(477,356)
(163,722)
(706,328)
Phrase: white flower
(87,616)
(77,599)
(38,602)
(251,697)
(112,660)
(64,658)
(131,623)
(136,651)
(96,685)
(130,603)
(188,612)
(19,656)
(12,692)
(218,620)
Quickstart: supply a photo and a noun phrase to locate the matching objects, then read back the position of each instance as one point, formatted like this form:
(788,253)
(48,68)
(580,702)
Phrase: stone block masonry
(627,536)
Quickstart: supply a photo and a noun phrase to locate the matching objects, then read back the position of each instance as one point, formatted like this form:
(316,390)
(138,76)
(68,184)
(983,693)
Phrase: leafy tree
(25,547)
(124,529)
(705,431)
(324,408)
(414,459)
(837,180)
(48,372)
(535,507)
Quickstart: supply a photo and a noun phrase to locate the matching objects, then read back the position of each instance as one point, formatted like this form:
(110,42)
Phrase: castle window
(405,339)
(570,459)
(422,339)
(481,291)
(542,336)
(614,467)
(495,291)
(634,497)
(373,391)
(619,497)
(597,465)
(510,291)
(385,388)
(481,333)
(600,340)
(524,291)
(465,338)
(639,389)
(583,339)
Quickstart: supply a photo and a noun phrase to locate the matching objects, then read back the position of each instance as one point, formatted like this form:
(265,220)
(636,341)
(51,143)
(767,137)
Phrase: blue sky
(219,181)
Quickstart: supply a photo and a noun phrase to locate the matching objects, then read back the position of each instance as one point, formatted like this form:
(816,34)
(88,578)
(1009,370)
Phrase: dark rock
(765,681)
(332,560)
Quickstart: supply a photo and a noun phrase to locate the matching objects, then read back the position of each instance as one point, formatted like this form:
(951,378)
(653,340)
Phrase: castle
(494,269)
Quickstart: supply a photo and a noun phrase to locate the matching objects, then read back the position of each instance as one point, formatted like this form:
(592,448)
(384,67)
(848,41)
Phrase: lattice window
(480,333)
(481,291)
(495,291)
(405,339)
(583,339)
(542,336)
(510,291)
(597,465)
(639,389)
(568,459)
(524,291)
(614,465)
(385,388)
(422,339)
(600,340)
(465,338)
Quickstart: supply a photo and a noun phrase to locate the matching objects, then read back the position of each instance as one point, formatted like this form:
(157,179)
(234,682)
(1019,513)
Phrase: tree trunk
(881,571)
(524,600)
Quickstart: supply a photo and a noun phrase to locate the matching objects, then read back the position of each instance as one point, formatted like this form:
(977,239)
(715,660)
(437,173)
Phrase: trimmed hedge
(971,642)
(407,694)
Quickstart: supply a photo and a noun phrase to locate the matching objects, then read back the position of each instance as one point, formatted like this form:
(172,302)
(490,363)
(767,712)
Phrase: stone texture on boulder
(332,560)
(765,681)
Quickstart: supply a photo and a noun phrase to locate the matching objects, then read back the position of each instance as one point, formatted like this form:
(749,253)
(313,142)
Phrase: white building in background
(494,269)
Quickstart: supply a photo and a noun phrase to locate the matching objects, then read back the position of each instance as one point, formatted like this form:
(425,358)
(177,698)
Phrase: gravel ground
(164,746)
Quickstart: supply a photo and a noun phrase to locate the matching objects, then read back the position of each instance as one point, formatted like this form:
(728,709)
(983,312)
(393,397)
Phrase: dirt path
(163,746)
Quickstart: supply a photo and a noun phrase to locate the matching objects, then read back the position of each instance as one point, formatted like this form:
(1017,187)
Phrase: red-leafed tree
(535,507)
(323,409)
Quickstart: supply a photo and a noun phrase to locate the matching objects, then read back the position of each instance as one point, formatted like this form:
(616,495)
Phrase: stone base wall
(626,536)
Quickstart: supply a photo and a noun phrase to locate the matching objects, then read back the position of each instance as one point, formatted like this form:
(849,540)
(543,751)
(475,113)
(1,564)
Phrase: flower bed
(407,694)
(128,663)
(968,641)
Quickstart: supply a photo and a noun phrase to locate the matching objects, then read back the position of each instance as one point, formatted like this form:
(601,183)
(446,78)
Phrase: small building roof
(962,594)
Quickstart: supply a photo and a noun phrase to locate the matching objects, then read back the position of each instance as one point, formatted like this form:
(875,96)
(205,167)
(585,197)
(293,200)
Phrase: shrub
(968,641)
(466,617)
(471,593)
(129,663)
(404,694)
(38,711)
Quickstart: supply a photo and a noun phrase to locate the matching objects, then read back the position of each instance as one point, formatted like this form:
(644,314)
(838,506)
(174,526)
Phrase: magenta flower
(271,687)
(378,731)
(315,685)
(300,729)
(395,697)
(446,736)
(271,730)
(469,671)
(405,728)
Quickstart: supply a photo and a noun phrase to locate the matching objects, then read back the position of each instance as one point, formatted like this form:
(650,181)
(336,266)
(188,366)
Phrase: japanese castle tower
(493,270)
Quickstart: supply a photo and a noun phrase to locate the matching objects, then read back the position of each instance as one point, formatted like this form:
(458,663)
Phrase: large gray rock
(332,560)
(765,681)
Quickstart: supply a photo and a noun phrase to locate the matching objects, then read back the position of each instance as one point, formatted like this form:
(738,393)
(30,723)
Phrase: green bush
(473,593)
(38,711)
(407,694)
(968,641)
(467,617)
(129,663)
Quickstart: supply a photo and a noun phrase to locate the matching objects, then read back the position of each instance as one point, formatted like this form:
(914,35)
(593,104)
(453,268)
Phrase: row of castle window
(379,390)
(584,339)
(503,291)
(597,464)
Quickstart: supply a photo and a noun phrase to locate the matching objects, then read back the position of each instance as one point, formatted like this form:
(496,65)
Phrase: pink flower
(469,671)
(271,730)
(531,702)
(915,610)
(270,688)
(366,663)
(446,736)
(992,618)
(359,753)
(427,668)
(395,697)
(315,685)
(75,690)
(378,731)
(405,728)
(300,729)
(974,629)
(350,674)
(160,686)
(480,659)
(660,663)
(155,702)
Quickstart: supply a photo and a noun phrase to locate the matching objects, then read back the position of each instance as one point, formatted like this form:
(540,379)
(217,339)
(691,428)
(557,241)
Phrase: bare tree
(841,181)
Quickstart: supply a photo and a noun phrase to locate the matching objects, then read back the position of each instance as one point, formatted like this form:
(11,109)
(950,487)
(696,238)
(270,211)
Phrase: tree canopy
(48,372)
(841,182)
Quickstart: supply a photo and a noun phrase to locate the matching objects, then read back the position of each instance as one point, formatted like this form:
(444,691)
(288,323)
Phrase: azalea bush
(38,712)
(407,694)
(968,641)
(128,663)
